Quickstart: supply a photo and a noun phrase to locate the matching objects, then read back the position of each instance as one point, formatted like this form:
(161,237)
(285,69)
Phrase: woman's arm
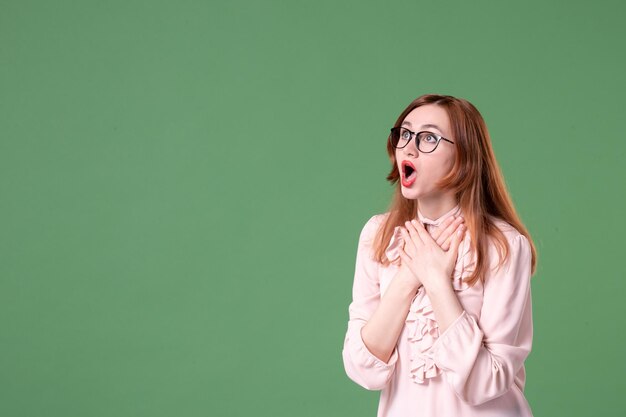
(381,332)
(375,324)
(482,358)
(360,364)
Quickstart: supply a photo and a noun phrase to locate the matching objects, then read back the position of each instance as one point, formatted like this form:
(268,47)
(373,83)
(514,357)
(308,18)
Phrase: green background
(182,186)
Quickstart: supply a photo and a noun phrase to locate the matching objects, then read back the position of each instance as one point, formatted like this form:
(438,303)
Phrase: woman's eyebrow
(426,126)
(431,125)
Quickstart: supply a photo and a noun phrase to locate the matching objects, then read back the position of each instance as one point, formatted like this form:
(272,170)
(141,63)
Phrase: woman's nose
(411,148)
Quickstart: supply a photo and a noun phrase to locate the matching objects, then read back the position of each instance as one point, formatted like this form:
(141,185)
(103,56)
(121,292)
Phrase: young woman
(441,319)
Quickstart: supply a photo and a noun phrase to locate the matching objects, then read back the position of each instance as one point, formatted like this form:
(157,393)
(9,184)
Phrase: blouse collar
(436,222)
(396,240)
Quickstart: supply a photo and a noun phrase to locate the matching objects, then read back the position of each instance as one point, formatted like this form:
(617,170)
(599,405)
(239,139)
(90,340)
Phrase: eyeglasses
(426,141)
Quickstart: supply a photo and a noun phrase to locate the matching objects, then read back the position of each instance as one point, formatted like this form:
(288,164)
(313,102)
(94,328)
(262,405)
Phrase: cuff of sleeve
(460,339)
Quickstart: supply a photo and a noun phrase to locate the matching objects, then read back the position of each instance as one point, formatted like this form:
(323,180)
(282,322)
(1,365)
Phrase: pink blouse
(475,367)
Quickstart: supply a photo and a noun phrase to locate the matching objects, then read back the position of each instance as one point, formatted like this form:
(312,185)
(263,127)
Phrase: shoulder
(510,233)
(518,243)
(371,227)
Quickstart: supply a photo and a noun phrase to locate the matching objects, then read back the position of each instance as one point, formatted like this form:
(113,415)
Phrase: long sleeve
(482,360)
(361,365)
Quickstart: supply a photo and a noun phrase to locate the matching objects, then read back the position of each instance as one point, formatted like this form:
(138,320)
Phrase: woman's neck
(436,207)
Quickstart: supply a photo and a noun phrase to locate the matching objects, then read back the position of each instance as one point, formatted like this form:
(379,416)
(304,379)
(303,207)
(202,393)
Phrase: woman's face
(428,168)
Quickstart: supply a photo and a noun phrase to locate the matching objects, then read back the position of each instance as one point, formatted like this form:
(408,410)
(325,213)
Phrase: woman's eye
(406,135)
(430,138)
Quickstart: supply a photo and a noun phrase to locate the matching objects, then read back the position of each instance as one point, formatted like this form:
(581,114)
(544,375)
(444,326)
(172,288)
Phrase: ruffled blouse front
(422,328)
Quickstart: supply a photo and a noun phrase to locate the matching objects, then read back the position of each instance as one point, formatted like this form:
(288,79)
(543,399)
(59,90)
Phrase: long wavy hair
(476,179)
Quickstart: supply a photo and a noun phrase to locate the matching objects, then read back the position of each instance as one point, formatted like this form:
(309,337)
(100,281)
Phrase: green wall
(183,183)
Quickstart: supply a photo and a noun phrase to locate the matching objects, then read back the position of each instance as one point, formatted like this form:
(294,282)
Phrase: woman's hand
(444,234)
(430,259)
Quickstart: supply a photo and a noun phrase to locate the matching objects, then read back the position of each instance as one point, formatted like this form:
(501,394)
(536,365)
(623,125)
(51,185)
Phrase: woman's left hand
(425,258)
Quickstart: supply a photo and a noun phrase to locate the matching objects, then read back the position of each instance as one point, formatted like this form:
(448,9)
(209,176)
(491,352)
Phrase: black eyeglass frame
(414,135)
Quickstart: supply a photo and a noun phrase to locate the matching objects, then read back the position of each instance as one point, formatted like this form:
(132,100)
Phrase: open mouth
(409,174)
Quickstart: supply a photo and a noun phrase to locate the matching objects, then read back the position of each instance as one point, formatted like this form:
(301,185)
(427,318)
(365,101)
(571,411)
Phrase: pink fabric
(476,367)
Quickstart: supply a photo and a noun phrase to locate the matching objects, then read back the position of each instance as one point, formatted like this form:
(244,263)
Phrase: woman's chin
(409,193)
